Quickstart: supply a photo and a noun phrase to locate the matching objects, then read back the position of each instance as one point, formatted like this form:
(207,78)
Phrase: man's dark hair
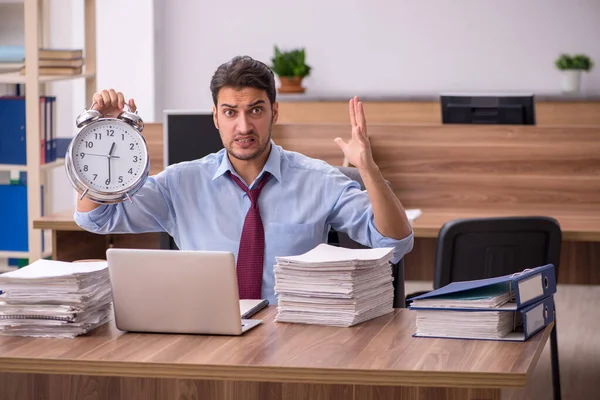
(240,72)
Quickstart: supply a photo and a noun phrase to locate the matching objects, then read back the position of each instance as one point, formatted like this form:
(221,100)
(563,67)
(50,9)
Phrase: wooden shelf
(16,77)
(14,254)
(13,167)
(23,168)
(36,35)
(22,254)
(58,163)
(10,66)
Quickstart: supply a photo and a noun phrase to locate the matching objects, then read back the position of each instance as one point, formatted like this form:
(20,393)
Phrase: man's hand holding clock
(111,133)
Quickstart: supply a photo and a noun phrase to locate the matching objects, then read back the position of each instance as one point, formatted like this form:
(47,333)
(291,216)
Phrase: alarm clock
(107,160)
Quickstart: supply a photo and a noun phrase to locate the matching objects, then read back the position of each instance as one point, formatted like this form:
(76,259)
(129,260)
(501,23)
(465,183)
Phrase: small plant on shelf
(291,68)
(571,67)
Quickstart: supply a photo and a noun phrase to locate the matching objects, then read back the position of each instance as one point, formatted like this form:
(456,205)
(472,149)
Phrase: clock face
(109,156)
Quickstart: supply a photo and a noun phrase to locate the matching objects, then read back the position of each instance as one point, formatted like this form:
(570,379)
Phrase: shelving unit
(34,87)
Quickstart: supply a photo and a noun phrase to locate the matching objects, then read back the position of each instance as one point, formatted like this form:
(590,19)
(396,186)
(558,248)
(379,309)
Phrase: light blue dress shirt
(203,209)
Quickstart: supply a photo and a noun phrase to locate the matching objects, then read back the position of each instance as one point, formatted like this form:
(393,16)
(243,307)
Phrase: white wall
(382,46)
(125,52)
(164,52)
(66,31)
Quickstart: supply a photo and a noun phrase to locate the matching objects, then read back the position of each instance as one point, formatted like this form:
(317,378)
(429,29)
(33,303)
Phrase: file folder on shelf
(486,324)
(511,292)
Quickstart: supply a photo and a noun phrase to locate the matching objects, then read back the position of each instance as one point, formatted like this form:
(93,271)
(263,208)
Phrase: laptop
(176,291)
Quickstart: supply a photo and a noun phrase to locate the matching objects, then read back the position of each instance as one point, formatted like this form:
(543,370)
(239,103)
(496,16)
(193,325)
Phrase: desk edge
(265,373)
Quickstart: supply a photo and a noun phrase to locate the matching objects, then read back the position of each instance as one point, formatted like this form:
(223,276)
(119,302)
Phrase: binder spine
(538,316)
(529,289)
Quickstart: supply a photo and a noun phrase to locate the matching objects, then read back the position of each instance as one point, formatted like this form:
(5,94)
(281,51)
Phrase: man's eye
(228,113)
(257,110)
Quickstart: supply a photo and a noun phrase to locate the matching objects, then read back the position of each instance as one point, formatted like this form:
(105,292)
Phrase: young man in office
(292,201)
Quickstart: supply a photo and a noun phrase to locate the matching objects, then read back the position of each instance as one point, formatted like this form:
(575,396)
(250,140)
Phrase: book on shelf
(13,122)
(60,54)
(60,63)
(62,71)
(512,307)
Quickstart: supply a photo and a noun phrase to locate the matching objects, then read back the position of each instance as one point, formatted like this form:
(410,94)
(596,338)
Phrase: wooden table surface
(378,352)
(575,226)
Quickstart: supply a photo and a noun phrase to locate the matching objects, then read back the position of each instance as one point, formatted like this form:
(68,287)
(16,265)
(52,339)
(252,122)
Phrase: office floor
(578,328)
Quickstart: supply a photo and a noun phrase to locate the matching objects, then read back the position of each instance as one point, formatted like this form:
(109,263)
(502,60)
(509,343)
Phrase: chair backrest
(480,248)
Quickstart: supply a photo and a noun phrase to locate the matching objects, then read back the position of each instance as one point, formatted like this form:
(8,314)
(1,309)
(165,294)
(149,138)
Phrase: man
(206,204)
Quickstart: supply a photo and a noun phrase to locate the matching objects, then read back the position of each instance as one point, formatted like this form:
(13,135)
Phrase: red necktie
(251,253)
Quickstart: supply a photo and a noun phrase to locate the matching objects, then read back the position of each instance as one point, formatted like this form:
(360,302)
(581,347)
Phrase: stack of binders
(512,307)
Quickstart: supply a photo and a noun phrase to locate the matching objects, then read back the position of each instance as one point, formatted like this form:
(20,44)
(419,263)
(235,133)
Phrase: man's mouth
(245,140)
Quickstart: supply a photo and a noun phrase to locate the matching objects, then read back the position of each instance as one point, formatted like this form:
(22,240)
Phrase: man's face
(244,119)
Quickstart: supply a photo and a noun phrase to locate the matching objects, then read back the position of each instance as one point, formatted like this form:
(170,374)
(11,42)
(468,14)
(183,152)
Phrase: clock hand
(100,155)
(112,148)
(108,158)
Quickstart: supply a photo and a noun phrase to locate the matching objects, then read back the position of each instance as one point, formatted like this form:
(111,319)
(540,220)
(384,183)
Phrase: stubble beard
(256,154)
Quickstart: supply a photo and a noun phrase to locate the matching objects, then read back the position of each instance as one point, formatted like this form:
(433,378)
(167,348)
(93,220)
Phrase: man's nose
(243,124)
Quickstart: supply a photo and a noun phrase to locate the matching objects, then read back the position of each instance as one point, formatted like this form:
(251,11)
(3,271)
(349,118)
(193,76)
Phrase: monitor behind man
(187,135)
(488,108)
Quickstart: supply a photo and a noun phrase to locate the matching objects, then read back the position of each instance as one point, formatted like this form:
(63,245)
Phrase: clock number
(107,182)
(110,132)
(130,146)
(122,136)
(89,145)
(98,136)
(135,158)
(95,176)
(120,179)
(82,155)
(85,168)
(130,170)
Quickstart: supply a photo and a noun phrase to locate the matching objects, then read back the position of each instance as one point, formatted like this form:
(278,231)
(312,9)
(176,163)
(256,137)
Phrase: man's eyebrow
(254,104)
(257,102)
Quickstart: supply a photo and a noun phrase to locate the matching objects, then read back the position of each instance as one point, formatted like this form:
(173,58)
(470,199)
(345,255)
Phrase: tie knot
(252,193)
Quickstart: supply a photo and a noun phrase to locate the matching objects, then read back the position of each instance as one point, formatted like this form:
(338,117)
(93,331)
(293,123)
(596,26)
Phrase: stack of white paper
(55,299)
(335,286)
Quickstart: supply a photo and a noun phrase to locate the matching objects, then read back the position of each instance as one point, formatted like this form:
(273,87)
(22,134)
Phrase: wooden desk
(302,109)
(378,359)
(580,253)
(70,242)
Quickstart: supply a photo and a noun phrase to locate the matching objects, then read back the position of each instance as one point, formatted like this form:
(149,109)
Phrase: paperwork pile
(55,299)
(334,286)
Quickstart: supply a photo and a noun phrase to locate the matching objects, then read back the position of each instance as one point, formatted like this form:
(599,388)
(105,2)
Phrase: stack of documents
(334,286)
(511,307)
(55,299)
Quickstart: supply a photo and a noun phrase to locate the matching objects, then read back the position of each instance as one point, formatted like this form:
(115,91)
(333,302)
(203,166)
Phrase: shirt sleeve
(352,214)
(150,211)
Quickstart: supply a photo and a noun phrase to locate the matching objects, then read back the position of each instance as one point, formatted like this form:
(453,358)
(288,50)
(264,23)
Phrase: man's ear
(275,112)
(215,121)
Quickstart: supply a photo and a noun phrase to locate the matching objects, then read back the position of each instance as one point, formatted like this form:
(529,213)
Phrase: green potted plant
(290,66)
(571,67)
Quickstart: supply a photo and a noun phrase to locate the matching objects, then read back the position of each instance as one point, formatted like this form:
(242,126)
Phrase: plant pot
(291,84)
(571,80)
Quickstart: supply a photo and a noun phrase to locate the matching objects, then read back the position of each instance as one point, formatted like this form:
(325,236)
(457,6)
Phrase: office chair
(469,249)
(341,239)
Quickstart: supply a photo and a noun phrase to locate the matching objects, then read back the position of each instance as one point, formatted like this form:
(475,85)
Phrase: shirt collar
(273,164)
